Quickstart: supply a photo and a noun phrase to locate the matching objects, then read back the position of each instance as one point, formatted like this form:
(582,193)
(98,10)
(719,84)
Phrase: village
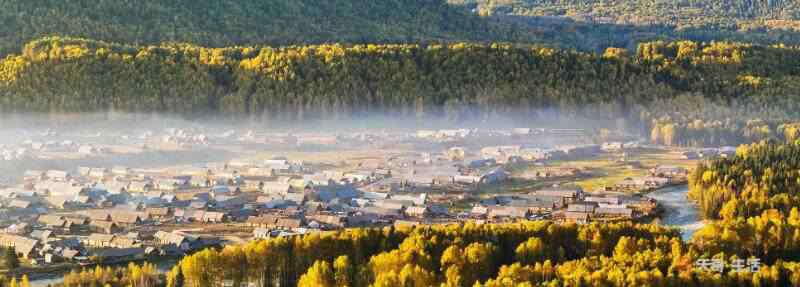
(106,214)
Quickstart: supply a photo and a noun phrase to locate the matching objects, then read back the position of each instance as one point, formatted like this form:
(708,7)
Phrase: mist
(67,141)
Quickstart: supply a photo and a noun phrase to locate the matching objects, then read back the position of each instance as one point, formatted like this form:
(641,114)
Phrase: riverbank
(54,275)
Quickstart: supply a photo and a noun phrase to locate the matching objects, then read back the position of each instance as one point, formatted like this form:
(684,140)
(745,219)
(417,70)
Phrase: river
(679,211)
(163,266)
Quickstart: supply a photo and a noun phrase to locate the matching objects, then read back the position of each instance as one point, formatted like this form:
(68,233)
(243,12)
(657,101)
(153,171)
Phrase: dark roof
(581,207)
(118,252)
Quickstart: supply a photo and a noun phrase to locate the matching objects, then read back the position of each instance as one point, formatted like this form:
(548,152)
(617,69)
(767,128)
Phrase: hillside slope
(679,13)
(590,25)
(241,22)
(596,24)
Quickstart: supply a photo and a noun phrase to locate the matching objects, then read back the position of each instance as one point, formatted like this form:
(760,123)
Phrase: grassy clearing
(606,169)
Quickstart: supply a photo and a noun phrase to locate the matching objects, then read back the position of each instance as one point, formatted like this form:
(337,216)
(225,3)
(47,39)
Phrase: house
(169,184)
(99,240)
(669,171)
(329,219)
(127,218)
(272,187)
(316,179)
(69,254)
(287,223)
(614,212)
(417,211)
(587,207)
(53,221)
(467,179)
(238,164)
(75,222)
(124,242)
(115,187)
(158,212)
(394,204)
(24,246)
(107,227)
(262,221)
(576,151)
(8,192)
(494,175)
(479,211)
(111,255)
(213,217)
(331,192)
(419,199)
(295,198)
(375,195)
(569,194)
(535,204)
(120,170)
(140,186)
(56,188)
(508,212)
(224,189)
(20,228)
(630,183)
(359,176)
(172,238)
(97,214)
(271,202)
(57,175)
(260,171)
(20,204)
(603,199)
(381,213)
(229,202)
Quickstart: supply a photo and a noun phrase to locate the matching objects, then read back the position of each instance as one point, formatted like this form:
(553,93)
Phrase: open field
(608,169)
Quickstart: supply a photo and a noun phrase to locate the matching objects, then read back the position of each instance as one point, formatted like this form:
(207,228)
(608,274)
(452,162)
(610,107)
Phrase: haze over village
(88,194)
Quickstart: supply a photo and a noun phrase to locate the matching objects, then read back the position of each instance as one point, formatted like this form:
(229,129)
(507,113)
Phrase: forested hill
(584,25)
(596,24)
(680,93)
(456,80)
(681,13)
(242,22)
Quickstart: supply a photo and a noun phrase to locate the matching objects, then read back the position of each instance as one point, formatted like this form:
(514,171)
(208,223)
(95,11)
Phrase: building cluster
(563,203)
(111,213)
(710,153)
(660,176)
(119,213)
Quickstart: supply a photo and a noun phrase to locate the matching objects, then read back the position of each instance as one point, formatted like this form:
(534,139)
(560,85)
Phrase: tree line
(133,275)
(762,176)
(244,22)
(678,93)
(303,22)
(519,254)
